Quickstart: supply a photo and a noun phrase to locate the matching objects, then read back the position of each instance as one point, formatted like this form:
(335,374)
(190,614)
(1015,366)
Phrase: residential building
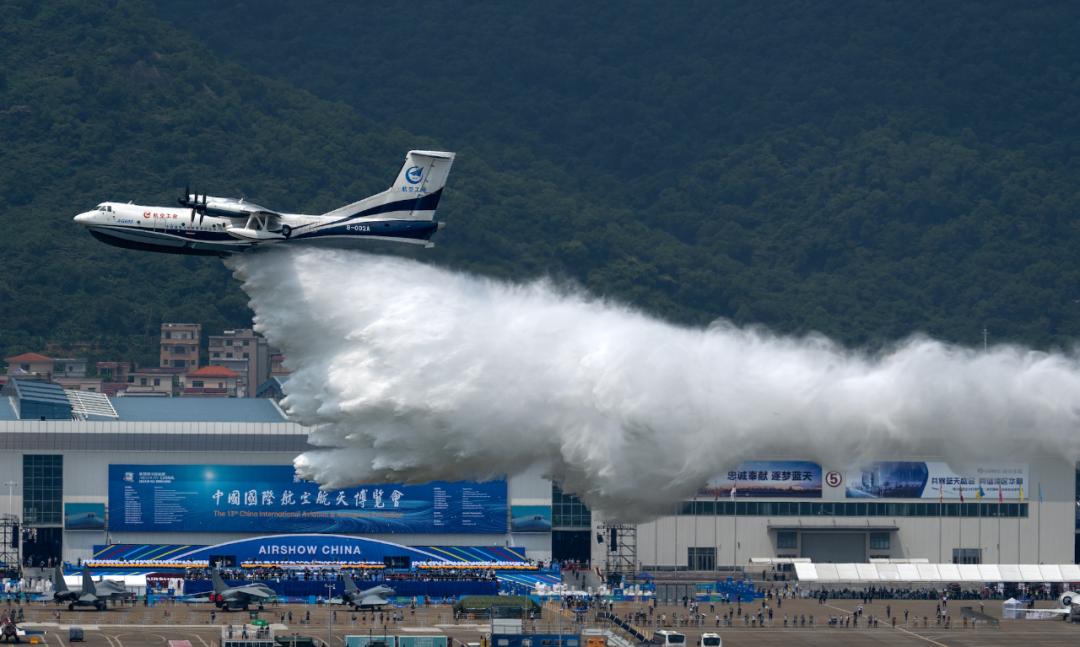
(277,364)
(114,376)
(215,381)
(244,352)
(113,371)
(84,383)
(30,366)
(69,367)
(180,345)
(157,381)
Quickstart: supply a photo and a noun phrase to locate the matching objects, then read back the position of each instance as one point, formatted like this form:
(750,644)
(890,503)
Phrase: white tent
(895,573)
(1011,609)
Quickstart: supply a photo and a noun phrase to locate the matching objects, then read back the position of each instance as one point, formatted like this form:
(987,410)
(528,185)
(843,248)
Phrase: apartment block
(245,353)
(180,345)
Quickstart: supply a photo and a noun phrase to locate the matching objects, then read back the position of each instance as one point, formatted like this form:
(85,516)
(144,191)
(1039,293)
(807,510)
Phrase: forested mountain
(865,170)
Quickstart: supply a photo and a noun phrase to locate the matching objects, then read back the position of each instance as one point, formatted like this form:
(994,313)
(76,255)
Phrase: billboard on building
(932,480)
(530,518)
(773,479)
(84,516)
(270,498)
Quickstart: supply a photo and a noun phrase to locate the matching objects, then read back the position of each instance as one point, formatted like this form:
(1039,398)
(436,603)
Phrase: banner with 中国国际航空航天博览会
(271,498)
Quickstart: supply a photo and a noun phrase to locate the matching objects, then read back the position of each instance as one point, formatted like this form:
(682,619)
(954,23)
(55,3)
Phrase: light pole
(10,488)
(329,616)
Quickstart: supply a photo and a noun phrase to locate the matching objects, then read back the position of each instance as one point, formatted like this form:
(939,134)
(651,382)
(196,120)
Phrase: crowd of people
(331,574)
(769,612)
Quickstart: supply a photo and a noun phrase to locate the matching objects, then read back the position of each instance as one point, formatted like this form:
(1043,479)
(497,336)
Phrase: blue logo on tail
(413,174)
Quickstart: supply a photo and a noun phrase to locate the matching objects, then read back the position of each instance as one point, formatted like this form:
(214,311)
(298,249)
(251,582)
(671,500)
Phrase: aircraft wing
(111,588)
(251,592)
(1035,614)
(229,208)
(373,600)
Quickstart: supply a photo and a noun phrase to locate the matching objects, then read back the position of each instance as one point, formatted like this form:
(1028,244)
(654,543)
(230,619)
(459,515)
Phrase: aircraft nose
(84,218)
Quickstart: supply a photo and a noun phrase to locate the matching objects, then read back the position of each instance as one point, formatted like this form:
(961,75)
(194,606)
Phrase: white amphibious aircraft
(220,226)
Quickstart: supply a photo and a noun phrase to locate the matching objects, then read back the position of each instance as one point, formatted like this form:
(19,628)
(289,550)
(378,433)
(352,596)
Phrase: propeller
(190,199)
(185,201)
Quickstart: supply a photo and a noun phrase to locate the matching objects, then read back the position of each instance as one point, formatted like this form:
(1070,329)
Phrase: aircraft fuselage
(216,226)
(175,231)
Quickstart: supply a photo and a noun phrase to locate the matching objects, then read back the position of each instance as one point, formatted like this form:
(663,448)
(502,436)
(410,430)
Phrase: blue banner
(309,548)
(270,498)
(937,480)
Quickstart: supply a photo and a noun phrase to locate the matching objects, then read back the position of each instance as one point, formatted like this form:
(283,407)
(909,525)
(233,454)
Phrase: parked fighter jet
(212,226)
(230,598)
(93,594)
(373,598)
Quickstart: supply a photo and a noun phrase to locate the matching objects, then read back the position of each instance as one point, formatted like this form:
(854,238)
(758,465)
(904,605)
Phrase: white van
(665,638)
(711,640)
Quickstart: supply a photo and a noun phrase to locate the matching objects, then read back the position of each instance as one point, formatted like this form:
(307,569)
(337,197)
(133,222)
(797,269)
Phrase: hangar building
(905,508)
(82,470)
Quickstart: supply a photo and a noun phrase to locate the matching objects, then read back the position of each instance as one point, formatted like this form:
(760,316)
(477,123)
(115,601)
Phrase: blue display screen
(270,498)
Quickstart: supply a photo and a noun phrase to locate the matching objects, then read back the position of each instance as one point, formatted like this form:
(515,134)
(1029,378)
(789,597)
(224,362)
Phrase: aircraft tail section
(350,585)
(88,585)
(414,195)
(423,173)
(219,583)
(59,585)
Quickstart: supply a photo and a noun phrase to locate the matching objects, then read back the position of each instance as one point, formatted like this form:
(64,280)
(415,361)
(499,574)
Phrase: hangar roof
(187,409)
(195,409)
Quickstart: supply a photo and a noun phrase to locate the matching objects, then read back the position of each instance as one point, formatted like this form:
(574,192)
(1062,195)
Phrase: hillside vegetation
(865,170)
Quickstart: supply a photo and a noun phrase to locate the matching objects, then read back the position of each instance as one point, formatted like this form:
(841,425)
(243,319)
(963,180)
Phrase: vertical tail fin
(414,195)
(88,585)
(219,584)
(59,585)
(424,173)
(350,585)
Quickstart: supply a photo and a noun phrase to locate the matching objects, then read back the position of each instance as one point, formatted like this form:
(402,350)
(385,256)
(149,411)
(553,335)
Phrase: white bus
(711,640)
(665,638)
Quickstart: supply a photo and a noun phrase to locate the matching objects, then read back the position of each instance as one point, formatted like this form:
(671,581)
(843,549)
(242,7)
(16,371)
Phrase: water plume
(409,372)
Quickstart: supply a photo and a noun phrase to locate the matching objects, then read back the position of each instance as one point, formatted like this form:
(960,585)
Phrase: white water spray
(408,372)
